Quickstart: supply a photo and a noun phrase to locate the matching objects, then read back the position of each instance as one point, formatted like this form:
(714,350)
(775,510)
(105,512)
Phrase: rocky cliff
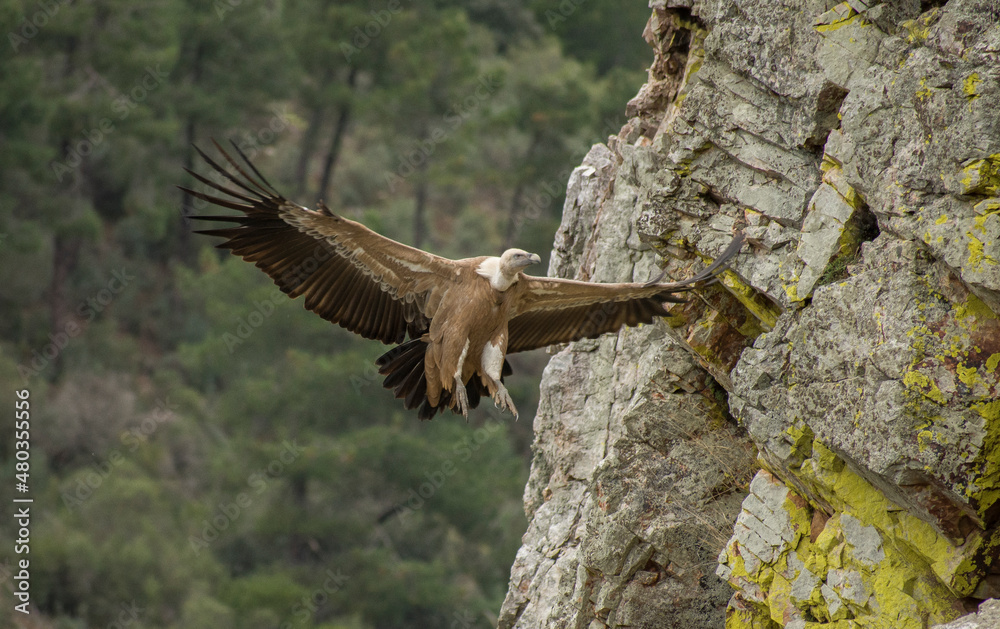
(815,442)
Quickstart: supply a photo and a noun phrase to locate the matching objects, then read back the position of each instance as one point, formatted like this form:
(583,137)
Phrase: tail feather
(427,412)
(474,390)
(399,362)
(417,394)
(413,387)
(395,379)
(391,360)
(403,368)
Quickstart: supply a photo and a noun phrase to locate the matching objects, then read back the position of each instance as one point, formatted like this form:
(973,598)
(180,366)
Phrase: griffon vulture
(462,316)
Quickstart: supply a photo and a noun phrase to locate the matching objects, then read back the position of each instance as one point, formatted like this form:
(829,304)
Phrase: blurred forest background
(206,453)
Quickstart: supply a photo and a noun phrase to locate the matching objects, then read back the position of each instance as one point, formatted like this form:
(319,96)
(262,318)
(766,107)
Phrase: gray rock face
(858,147)
(625,520)
(874,368)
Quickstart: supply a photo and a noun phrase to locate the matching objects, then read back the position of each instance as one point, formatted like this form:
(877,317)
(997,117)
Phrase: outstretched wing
(348,274)
(551,310)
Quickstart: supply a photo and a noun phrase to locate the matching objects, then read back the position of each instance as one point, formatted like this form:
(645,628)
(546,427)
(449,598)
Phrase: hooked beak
(521,261)
(533,259)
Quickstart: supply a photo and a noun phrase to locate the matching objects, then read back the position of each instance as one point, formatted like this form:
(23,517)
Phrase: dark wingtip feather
(725,258)
(257,198)
(232,162)
(217,201)
(226,232)
(710,273)
(230,218)
(225,173)
(250,164)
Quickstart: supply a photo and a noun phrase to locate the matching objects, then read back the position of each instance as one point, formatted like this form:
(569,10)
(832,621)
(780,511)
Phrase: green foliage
(605,34)
(274,591)
(203,448)
(201,611)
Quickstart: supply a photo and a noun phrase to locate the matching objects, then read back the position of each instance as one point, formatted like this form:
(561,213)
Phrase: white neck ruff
(490,269)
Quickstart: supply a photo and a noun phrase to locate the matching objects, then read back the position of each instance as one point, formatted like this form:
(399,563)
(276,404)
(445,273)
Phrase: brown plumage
(462,317)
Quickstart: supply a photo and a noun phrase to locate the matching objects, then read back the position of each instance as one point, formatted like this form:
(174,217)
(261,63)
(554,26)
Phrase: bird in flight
(452,322)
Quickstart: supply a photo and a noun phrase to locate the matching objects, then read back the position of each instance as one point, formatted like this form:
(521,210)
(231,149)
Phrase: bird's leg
(502,400)
(492,372)
(461,397)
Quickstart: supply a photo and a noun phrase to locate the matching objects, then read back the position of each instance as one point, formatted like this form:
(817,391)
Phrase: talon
(503,401)
(461,398)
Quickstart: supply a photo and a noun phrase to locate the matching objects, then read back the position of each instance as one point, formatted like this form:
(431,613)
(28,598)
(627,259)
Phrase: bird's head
(514,260)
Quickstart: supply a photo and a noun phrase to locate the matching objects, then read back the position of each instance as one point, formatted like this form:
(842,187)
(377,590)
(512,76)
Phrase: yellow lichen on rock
(868,565)
(922,384)
(984,490)
(981,176)
(970,86)
(763,310)
(988,206)
(977,254)
(919,29)
(837,17)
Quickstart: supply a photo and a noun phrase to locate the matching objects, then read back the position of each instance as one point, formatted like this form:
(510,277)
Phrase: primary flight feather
(453,321)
